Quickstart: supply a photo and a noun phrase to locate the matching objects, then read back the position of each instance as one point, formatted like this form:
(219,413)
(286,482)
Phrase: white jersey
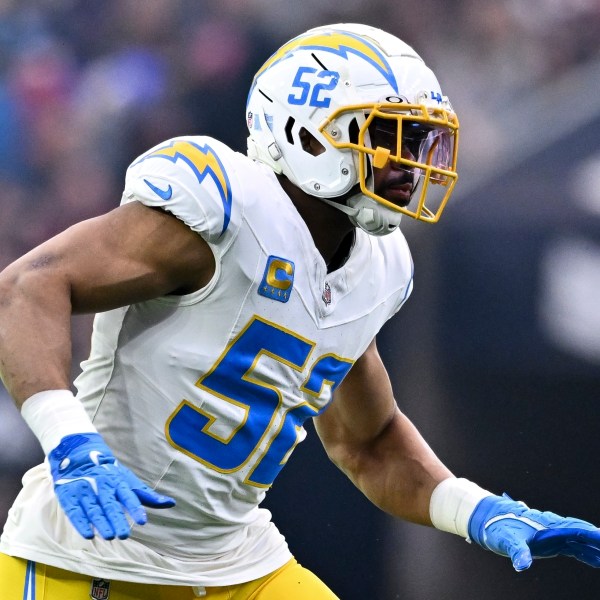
(203,396)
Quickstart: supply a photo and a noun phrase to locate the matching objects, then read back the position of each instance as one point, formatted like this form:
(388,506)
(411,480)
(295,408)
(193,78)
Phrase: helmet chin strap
(350,211)
(369,215)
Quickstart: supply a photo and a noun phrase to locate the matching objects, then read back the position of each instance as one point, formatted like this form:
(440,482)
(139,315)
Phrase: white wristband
(53,414)
(452,504)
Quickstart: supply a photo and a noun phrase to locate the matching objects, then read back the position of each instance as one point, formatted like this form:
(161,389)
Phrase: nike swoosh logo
(164,194)
(94,454)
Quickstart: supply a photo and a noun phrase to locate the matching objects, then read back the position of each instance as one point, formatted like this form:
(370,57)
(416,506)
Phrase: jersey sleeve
(191,178)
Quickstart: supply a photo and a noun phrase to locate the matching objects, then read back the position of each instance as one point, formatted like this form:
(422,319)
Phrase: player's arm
(367,436)
(128,255)
(379,449)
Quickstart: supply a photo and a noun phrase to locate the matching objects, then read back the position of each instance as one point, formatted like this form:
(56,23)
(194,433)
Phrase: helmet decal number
(312,85)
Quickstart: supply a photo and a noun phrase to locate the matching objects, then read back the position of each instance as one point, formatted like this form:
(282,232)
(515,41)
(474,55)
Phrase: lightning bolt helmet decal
(341,43)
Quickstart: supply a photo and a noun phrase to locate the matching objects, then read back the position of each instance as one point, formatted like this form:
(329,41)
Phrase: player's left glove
(93,488)
(510,528)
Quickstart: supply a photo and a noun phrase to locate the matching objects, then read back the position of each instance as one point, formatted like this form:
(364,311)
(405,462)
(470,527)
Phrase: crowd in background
(87,85)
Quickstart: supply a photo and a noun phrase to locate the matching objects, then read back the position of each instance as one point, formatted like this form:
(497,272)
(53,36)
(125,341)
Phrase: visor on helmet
(418,140)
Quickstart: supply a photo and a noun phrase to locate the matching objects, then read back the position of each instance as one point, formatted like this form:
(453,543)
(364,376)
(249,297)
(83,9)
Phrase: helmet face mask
(417,140)
(370,104)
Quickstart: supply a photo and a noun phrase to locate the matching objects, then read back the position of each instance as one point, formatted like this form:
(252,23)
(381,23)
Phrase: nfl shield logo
(100,589)
(326,294)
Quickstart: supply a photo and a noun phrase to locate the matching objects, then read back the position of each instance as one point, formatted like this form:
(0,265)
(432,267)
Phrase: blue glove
(92,488)
(510,528)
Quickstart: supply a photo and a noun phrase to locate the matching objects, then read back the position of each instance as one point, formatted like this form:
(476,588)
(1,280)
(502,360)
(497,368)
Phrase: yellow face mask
(418,141)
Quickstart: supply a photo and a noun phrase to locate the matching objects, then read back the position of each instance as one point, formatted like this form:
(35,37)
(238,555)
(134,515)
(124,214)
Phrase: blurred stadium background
(497,355)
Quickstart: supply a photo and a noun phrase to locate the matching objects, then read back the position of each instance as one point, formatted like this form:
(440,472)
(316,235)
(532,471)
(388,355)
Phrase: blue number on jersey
(326,370)
(232,380)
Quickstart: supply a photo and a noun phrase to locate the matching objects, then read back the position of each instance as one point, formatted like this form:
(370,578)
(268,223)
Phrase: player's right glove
(93,488)
(510,528)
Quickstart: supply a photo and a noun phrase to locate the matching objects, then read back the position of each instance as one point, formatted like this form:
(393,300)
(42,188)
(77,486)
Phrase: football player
(237,296)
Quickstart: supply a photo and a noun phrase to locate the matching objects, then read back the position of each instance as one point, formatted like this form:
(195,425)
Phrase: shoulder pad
(191,177)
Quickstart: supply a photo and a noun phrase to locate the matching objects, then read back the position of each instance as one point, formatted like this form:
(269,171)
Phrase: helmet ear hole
(310,143)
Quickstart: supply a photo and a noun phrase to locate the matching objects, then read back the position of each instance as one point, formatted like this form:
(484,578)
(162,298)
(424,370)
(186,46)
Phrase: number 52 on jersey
(268,431)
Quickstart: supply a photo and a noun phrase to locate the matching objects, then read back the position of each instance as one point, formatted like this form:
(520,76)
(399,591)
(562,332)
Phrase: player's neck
(331,230)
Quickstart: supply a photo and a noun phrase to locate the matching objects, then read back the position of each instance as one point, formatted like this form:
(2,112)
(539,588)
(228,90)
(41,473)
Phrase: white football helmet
(336,86)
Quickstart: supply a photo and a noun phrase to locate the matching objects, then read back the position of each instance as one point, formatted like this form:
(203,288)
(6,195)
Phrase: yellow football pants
(25,580)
